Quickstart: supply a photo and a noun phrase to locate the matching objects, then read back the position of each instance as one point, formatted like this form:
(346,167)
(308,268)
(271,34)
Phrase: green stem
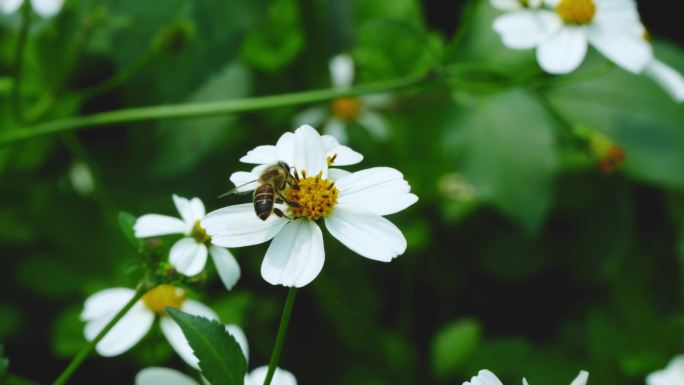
(19,60)
(83,354)
(194,110)
(280,338)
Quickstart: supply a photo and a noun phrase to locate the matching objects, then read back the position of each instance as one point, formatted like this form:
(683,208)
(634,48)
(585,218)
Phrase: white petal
(344,156)
(240,338)
(125,334)
(295,256)
(309,153)
(342,71)
(312,116)
(524,381)
(379,190)
(375,124)
(552,3)
(564,51)
(245,181)
(505,5)
(261,155)
(632,53)
(286,148)
(10,6)
(526,29)
(188,256)
(337,173)
(367,234)
(152,225)
(672,374)
(668,78)
(226,266)
(47,8)
(581,378)
(190,210)
(175,336)
(163,376)
(280,377)
(484,377)
(337,129)
(376,101)
(238,226)
(106,302)
(619,14)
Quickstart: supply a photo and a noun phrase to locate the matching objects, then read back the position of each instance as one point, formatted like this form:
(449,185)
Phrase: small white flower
(485,377)
(353,206)
(44,8)
(562,34)
(337,116)
(102,306)
(189,254)
(673,374)
(163,376)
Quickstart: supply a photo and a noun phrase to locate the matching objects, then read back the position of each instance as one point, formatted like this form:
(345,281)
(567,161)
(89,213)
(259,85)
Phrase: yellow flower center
(647,35)
(164,296)
(200,234)
(314,196)
(346,108)
(576,11)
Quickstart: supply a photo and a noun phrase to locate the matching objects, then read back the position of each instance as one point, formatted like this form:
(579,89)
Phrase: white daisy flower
(102,306)
(189,254)
(485,377)
(337,116)
(163,376)
(673,374)
(44,8)
(562,35)
(352,206)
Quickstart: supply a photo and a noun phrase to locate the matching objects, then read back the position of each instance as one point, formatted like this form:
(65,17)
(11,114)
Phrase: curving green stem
(194,110)
(19,60)
(280,338)
(83,354)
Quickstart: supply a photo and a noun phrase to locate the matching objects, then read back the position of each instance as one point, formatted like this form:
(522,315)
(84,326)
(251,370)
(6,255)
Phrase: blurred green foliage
(522,257)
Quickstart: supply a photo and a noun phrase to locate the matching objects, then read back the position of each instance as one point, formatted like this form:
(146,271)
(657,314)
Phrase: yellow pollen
(315,196)
(346,108)
(647,35)
(200,234)
(576,11)
(164,296)
(331,159)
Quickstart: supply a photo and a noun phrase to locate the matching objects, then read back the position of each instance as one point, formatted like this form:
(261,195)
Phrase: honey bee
(272,183)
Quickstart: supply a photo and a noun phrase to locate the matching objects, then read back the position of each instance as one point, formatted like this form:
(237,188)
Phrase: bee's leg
(289,203)
(280,213)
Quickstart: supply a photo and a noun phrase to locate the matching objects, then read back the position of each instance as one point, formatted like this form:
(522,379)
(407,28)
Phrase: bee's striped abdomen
(263,201)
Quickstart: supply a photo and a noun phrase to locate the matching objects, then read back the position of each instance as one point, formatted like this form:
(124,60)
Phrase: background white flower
(485,377)
(351,204)
(163,376)
(340,112)
(189,254)
(102,306)
(673,374)
(44,8)
(562,35)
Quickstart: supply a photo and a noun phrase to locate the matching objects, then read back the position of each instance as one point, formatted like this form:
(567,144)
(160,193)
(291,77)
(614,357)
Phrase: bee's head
(284,166)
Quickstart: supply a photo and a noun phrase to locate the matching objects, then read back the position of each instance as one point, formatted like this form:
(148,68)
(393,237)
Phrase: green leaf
(636,114)
(453,345)
(220,357)
(126,223)
(509,154)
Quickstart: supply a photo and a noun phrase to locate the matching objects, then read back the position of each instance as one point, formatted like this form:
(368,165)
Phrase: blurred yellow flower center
(200,234)
(164,296)
(314,195)
(576,11)
(346,108)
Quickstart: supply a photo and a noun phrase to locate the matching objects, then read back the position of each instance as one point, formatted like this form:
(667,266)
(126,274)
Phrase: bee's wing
(242,189)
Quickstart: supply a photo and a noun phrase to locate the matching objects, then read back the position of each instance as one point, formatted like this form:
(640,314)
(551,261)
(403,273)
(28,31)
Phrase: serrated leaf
(509,155)
(453,345)
(220,356)
(126,223)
